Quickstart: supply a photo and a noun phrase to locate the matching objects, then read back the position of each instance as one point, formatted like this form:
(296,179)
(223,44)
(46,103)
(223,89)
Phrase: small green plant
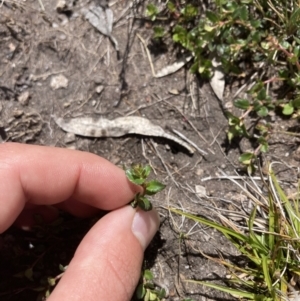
(151,11)
(270,247)
(138,175)
(147,290)
(251,38)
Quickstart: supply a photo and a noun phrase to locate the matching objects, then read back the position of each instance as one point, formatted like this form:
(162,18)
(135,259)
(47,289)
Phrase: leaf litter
(217,81)
(102,18)
(169,69)
(102,127)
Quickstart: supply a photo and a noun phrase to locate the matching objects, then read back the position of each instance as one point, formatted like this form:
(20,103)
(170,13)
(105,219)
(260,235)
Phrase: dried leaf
(101,127)
(102,19)
(174,67)
(217,82)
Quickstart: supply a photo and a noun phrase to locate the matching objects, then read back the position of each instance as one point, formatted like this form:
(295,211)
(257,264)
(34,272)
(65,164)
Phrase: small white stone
(99,89)
(62,37)
(199,172)
(174,91)
(61,5)
(58,82)
(200,190)
(18,113)
(23,98)
(228,105)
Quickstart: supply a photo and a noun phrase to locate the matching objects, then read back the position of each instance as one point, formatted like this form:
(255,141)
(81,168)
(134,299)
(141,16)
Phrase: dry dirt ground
(55,63)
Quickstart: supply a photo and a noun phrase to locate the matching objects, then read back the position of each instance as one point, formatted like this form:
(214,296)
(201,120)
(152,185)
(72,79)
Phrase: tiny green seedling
(138,175)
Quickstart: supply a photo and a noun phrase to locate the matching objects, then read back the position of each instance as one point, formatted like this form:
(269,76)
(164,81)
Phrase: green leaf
(153,187)
(232,291)
(232,120)
(171,7)
(264,147)
(146,171)
(51,281)
(151,11)
(223,229)
(152,296)
(161,294)
(158,32)
(262,94)
(208,28)
(145,204)
(242,104)
(265,45)
(62,268)
(244,13)
(266,272)
(179,34)
(132,177)
(230,135)
(250,169)
(288,109)
(263,111)
(286,44)
(147,295)
(28,274)
(211,16)
(189,11)
(293,21)
(296,102)
(140,291)
(241,13)
(148,275)
(246,158)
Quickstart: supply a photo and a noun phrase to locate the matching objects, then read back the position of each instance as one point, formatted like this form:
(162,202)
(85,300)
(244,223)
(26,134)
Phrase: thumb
(107,263)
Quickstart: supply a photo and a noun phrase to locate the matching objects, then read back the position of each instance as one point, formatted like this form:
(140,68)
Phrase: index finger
(48,175)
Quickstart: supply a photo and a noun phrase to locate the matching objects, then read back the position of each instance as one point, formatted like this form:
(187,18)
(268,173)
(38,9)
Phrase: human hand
(107,263)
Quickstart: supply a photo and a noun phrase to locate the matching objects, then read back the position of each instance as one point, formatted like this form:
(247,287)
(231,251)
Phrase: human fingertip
(144,226)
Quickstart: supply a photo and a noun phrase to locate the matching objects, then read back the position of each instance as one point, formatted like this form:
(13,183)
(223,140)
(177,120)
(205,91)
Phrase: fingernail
(144,226)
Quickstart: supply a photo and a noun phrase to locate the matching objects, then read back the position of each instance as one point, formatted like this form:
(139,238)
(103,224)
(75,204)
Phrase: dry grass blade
(272,252)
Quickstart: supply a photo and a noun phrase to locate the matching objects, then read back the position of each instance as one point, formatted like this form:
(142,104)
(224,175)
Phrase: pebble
(200,190)
(62,37)
(228,105)
(199,172)
(23,98)
(99,89)
(18,113)
(174,92)
(61,6)
(58,82)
